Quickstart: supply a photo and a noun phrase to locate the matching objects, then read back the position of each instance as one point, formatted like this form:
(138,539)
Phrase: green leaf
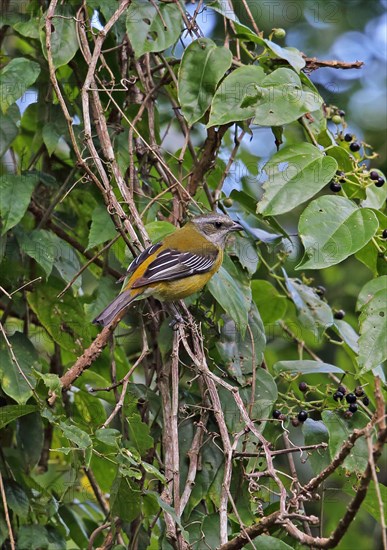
(150,469)
(8,413)
(13,383)
(234,100)
(109,436)
(373,330)
(270,304)
(17,498)
(272,100)
(316,432)
(102,228)
(76,435)
(370,289)
(242,354)
(125,499)
(370,502)
(38,244)
(152,27)
(202,66)
(313,312)
(158,230)
(12,186)
(29,437)
(139,433)
(305,367)
(51,133)
(347,333)
(15,79)
(295,174)
(32,537)
(291,55)
(64,39)
(333,228)
(8,128)
(339,430)
(231,290)
(63,318)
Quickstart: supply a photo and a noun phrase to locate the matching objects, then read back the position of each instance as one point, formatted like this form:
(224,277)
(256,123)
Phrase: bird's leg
(177,317)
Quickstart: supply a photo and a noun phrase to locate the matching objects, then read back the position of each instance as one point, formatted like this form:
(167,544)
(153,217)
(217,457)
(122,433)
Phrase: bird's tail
(112,310)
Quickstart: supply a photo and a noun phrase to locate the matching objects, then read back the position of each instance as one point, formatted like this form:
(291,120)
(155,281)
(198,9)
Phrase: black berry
(352,407)
(348,137)
(379,182)
(366,401)
(374,175)
(384,234)
(342,389)
(341,112)
(340,314)
(355,146)
(351,398)
(359,392)
(348,414)
(276,414)
(338,395)
(335,186)
(320,290)
(302,416)
(302,386)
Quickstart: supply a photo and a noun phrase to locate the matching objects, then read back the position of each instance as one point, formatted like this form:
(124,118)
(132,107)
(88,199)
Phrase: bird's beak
(236,227)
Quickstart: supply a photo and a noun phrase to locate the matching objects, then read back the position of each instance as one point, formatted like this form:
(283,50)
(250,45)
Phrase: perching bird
(177,267)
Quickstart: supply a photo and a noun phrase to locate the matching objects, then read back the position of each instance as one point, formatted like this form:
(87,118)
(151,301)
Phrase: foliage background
(64,475)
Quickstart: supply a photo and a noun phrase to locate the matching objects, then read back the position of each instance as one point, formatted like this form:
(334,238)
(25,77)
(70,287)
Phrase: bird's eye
(218,225)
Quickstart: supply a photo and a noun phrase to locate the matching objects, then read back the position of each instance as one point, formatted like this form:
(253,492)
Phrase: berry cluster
(377,178)
(354,145)
(351,398)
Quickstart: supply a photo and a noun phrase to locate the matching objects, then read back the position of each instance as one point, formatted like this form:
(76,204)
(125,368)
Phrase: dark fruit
(379,182)
(366,401)
(302,416)
(276,414)
(335,186)
(384,234)
(352,408)
(348,137)
(338,395)
(351,398)
(348,414)
(302,386)
(355,146)
(359,392)
(341,112)
(374,175)
(320,290)
(342,389)
(340,314)
(282,416)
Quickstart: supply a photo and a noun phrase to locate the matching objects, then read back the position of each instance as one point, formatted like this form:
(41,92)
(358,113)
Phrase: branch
(88,357)
(312,63)
(207,160)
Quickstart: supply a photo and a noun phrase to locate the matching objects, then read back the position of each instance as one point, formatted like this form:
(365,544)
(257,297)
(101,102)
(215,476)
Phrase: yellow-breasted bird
(177,267)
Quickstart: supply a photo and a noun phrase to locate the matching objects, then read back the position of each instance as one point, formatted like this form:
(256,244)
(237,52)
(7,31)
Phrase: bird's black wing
(142,257)
(172,264)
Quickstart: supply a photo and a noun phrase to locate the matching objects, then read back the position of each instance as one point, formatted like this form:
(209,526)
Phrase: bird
(176,267)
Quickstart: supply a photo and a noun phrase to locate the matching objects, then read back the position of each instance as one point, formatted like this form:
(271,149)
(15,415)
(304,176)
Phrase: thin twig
(8,521)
